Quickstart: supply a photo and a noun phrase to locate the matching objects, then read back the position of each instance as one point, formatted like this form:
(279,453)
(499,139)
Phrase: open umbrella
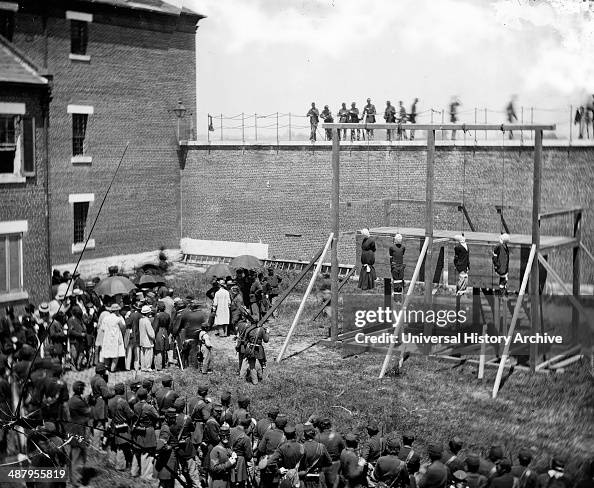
(219,270)
(114,285)
(147,281)
(246,261)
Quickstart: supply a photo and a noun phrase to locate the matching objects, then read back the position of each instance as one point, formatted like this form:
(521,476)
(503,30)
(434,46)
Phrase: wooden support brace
(567,362)
(514,320)
(554,359)
(407,299)
(302,304)
(342,283)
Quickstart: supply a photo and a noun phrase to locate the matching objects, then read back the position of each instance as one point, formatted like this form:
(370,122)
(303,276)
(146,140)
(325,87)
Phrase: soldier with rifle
(98,398)
(253,339)
(121,416)
(186,453)
(315,458)
(143,436)
(166,459)
(78,428)
(165,396)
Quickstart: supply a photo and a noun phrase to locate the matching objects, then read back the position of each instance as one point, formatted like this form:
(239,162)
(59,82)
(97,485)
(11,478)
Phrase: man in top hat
(374,447)
(121,415)
(474,479)
(436,475)
(389,469)
(461,263)
(221,461)
(146,338)
(353,469)
(98,398)
(220,306)
(524,476)
(80,416)
(501,261)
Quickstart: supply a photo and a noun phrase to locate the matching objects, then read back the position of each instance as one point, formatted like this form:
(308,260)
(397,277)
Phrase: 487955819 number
(8,474)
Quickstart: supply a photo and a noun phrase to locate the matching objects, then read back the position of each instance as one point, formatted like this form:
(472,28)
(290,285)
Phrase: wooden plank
(514,319)
(335,219)
(554,359)
(557,213)
(429,189)
(567,362)
(302,304)
(407,299)
(588,253)
(534,275)
(434,127)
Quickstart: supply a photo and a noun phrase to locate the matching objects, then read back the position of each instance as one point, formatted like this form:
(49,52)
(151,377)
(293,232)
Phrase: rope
(368,184)
(502,178)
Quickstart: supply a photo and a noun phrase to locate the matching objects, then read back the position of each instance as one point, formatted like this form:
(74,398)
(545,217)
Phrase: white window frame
(11,6)
(80,109)
(17,176)
(81,17)
(10,228)
(79,198)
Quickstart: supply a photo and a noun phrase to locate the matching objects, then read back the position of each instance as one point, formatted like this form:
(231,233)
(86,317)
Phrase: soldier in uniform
(222,461)
(186,453)
(369,116)
(266,423)
(43,451)
(273,438)
(389,469)
(121,416)
(326,116)
(166,460)
(473,478)
(488,466)
(503,477)
(555,477)
(314,118)
(80,417)
(526,477)
(132,399)
(199,408)
(374,447)
(406,451)
(390,118)
(354,119)
(287,456)
(352,471)
(450,457)
(166,395)
(55,398)
(227,413)
(315,458)
(334,444)
(243,408)
(241,444)
(211,432)
(436,474)
(343,117)
(98,398)
(255,337)
(143,436)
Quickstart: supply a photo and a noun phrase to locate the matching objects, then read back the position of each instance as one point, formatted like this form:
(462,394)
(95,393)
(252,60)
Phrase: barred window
(11,263)
(7,24)
(79,129)
(79,36)
(81,211)
(8,139)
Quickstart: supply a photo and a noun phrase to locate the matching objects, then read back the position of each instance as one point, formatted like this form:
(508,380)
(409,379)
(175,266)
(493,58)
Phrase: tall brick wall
(140,66)
(260,193)
(26,201)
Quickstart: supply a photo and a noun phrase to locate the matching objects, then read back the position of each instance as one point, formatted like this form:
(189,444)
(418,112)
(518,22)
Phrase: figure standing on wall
(461,263)
(354,119)
(390,118)
(343,118)
(369,116)
(367,274)
(454,104)
(412,117)
(328,119)
(401,120)
(314,118)
(501,262)
(397,263)
(510,111)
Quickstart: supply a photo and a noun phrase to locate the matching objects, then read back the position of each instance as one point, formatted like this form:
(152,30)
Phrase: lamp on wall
(180,113)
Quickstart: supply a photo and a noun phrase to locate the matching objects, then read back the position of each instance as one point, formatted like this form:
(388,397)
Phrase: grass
(551,414)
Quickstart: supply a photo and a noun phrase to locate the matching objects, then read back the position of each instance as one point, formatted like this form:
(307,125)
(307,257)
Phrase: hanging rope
(368,184)
(502,178)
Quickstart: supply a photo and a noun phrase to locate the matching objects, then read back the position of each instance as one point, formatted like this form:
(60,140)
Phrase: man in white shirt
(220,305)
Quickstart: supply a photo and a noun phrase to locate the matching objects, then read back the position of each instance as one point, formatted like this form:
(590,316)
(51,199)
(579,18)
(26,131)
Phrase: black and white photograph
(297,243)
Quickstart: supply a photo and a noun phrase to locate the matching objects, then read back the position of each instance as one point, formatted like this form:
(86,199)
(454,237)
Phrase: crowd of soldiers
(155,432)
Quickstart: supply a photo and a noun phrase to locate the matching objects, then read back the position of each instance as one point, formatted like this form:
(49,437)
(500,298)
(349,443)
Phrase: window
(81,212)
(79,36)
(11,256)
(79,129)
(7,24)
(17,143)
(8,143)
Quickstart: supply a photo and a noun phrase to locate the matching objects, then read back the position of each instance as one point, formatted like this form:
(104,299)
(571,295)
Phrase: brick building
(24,246)
(119,69)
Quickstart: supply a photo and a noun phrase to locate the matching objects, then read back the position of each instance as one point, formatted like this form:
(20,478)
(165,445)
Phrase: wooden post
(335,219)
(256,126)
(399,322)
(429,186)
(503,360)
(302,304)
(534,276)
(570,124)
(208,128)
(577,234)
(387,293)
(486,132)
(481,369)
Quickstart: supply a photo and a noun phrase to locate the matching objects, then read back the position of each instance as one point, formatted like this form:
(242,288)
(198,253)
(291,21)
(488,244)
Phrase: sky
(270,56)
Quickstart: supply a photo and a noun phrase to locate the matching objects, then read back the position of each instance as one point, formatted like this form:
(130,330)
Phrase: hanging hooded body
(367,275)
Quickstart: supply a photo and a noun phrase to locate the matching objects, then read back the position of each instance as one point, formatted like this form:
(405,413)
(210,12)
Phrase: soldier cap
(351,437)
(455,444)
(135,385)
(273,411)
(179,403)
(496,452)
(525,454)
(78,387)
(142,393)
(166,379)
(202,389)
(170,412)
(281,421)
(119,389)
(435,449)
(147,384)
(225,396)
(289,429)
(100,368)
(308,427)
(372,427)
(393,443)
(243,399)
(408,438)
(473,461)
(217,407)
(505,465)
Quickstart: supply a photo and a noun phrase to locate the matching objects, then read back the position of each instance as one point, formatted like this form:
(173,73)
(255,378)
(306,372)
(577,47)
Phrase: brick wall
(26,201)
(260,193)
(139,68)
